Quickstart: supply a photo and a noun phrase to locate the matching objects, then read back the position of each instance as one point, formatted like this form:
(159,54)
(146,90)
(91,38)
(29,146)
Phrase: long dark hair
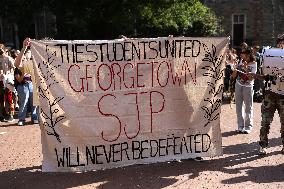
(249,52)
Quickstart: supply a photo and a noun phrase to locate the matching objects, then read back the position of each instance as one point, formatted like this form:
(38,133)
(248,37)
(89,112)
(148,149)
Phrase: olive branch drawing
(47,80)
(216,73)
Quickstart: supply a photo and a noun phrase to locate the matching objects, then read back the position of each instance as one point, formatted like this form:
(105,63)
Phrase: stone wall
(264,18)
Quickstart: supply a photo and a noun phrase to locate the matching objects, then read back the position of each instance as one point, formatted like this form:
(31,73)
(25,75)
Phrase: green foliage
(179,17)
(107,19)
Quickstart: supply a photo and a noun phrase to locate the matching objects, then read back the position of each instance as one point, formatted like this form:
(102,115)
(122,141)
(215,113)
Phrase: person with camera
(273,100)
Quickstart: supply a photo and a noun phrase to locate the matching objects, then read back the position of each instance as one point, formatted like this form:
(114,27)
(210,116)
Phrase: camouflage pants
(270,104)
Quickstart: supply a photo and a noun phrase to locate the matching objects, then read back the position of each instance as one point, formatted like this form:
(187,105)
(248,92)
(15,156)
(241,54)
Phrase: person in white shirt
(6,70)
(244,91)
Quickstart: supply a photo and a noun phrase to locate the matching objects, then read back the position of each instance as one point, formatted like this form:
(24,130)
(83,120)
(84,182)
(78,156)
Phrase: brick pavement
(239,167)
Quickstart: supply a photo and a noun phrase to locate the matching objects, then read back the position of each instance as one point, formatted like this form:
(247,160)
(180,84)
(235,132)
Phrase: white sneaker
(262,151)
(247,131)
(10,119)
(240,130)
(20,123)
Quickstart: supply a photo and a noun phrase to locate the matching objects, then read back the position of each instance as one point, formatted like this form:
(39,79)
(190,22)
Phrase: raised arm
(19,58)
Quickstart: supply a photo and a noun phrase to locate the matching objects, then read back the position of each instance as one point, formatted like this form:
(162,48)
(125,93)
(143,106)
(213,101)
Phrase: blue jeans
(25,93)
(244,97)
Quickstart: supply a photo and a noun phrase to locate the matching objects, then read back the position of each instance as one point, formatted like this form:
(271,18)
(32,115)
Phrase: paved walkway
(239,167)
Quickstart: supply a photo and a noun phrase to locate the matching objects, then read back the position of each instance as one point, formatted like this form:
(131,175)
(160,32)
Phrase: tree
(178,17)
(107,19)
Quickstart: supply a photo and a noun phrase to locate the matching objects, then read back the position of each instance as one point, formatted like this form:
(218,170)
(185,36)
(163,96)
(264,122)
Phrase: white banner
(106,104)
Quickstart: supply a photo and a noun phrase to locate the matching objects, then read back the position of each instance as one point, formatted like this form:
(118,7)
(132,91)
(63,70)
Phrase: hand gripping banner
(106,104)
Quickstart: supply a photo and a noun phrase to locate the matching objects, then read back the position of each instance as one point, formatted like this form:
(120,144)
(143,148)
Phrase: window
(238,29)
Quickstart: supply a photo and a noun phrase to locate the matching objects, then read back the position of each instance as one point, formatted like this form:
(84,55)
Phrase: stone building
(258,22)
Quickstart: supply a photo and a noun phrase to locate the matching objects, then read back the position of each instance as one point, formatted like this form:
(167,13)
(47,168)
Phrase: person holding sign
(23,76)
(273,100)
(244,90)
